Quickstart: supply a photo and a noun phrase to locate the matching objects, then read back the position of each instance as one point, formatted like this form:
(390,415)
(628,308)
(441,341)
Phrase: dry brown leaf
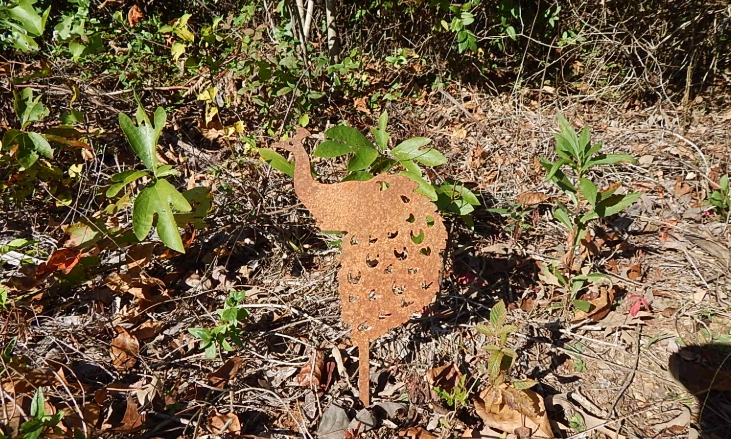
(134,15)
(132,419)
(391,253)
(445,377)
(124,350)
(230,421)
(601,300)
(138,256)
(527,411)
(147,330)
(416,433)
(63,260)
(531,198)
(220,377)
(311,374)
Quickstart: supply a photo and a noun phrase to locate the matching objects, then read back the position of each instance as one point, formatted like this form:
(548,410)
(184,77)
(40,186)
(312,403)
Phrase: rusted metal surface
(391,253)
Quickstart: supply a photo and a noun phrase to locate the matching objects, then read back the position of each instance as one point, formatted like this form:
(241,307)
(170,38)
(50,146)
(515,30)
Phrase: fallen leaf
(223,375)
(147,330)
(124,350)
(445,377)
(507,409)
(333,424)
(311,374)
(601,300)
(132,419)
(228,423)
(63,260)
(531,198)
(134,15)
(416,433)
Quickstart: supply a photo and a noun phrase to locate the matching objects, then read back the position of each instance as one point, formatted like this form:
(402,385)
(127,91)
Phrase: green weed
(227,330)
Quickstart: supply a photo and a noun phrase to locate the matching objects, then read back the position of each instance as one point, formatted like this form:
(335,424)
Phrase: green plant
(24,24)
(227,330)
(159,197)
(26,147)
(80,33)
(516,214)
(587,204)
(720,198)
(457,397)
(579,364)
(40,422)
(577,422)
(501,358)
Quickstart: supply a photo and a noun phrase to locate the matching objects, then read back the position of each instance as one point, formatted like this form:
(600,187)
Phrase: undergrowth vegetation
(173,236)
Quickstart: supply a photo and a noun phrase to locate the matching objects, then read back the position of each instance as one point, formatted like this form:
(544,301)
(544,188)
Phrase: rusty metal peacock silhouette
(391,252)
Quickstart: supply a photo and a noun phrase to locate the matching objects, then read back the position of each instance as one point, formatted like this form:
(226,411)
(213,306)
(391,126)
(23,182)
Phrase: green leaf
(32,23)
(144,137)
(425,188)
(582,305)
(349,136)
(412,167)
(166,170)
(72,117)
(616,204)
(409,149)
(157,199)
(608,159)
(358,176)
(589,190)
(431,157)
(201,333)
(363,158)
(498,314)
(331,148)
(37,405)
(524,384)
(122,179)
(177,50)
(552,168)
(28,109)
(562,216)
(276,161)
(30,146)
(380,134)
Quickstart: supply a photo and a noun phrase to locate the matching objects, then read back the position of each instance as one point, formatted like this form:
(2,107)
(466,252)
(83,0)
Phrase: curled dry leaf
(601,300)
(147,330)
(311,374)
(445,377)
(63,260)
(391,253)
(124,350)
(134,15)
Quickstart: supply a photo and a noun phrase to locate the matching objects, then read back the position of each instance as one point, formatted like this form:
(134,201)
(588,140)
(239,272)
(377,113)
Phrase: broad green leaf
(562,216)
(33,23)
(552,168)
(177,50)
(616,204)
(28,109)
(200,333)
(276,161)
(122,179)
(412,167)
(358,176)
(363,158)
(409,149)
(589,190)
(608,159)
(431,157)
(159,199)
(380,134)
(72,117)
(202,201)
(524,384)
(723,183)
(425,188)
(582,305)
(584,143)
(349,136)
(331,148)
(588,216)
(30,147)
(144,137)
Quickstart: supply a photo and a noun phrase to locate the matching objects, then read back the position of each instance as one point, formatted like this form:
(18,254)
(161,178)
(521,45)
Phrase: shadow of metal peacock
(391,253)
